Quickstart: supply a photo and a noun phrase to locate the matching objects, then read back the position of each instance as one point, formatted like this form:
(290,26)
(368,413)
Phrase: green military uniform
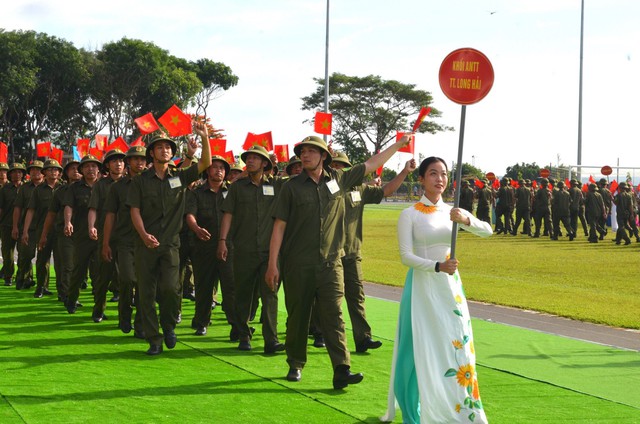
(466,197)
(624,211)
(634,213)
(577,208)
(122,242)
(607,199)
(523,209)
(26,253)
(504,208)
(595,210)
(485,198)
(251,206)
(311,253)
(77,197)
(8,195)
(561,207)
(542,207)
(206,207)
(161,203)
(106,270)
(39,202)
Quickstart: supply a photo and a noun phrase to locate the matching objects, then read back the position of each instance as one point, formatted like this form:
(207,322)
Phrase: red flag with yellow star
(409,148)
(176,122)
(83,146)
(56,154)
(322,123)
(101,142)
(146,124)
(421,117)
(4,152)
(96,152)
(43,149)
(282,152)
(265,140)
(228,156)
(218,146)
(119,143)
(137,142)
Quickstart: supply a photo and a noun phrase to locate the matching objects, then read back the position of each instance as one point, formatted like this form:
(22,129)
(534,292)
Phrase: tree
(367,111)
(215,77)
(529,171)
(468,172)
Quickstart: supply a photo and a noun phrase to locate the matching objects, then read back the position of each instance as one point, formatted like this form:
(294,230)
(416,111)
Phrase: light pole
(580,94)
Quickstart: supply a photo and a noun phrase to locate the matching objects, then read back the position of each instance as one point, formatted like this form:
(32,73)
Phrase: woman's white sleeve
(405,242)
(477,227)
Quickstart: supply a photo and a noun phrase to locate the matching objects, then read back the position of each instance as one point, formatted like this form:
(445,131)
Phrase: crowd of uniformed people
(541,205)
(140,227)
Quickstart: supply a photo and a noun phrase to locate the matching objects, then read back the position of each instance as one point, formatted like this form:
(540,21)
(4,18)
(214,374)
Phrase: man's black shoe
(19,284)
(139,334)
(71,307)
(8,282)
(38,293)
(28,284)
(294,374)
(244,345)
(46,292)
(234,334)
(367,344)
(189,295)
(318,341)
(273,347)
(201,331)
(170,339)
(342,377)
(154,350)
(98,317)
(115,298)
(125,327)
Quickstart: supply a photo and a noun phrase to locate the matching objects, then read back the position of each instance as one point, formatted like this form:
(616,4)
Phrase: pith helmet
(157,138)
(292,161)
(35,164)
(51,163)
(88,159)
(4,166)
(260,151)
(219,158)
(315,141)
(18,167)
(139,151)
(342,158)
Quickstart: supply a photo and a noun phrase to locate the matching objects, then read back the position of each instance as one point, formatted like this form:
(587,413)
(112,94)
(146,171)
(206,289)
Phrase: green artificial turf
(589,282)
(60,368)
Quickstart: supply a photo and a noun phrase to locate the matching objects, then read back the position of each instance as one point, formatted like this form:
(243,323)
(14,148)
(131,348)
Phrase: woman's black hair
(428,161)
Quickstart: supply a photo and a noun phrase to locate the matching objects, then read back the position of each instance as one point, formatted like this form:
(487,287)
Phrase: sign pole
(458,180)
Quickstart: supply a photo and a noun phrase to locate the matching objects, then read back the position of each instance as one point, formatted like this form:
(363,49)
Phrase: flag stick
(456,202)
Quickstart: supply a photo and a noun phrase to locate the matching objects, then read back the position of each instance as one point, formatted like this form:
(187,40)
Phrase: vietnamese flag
(264,140)
(137,142)
(83,146)
(614,186)
(228,156)
(567,183)
(282,152)
(478,184)
(379,170)
(534,184)
(585,188)
(322,123)
(176,122)
(43,149)
(591,179)
(496,184)
(515,184)
(421,117)
(101,142)
(218,146)
(146,124)
(96,152)
(4,152)
(56,154)
(409,148)
(119,143)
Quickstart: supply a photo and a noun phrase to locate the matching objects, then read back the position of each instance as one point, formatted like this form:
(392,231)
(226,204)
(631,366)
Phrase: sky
(277,47)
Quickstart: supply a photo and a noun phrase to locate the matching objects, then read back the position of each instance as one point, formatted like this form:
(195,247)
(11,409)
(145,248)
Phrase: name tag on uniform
(355,196)
(267,190)
(174,182)
(333,186)
(224,194)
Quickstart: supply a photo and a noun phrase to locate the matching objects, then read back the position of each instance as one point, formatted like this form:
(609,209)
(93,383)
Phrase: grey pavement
(595,333)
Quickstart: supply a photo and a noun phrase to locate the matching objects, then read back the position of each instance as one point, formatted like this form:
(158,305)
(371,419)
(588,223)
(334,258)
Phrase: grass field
(590,282)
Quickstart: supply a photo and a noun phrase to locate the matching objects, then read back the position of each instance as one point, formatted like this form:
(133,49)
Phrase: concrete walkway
(616,337)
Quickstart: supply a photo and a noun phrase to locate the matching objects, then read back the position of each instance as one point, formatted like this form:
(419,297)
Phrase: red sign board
(606,170)
(491,176)
(544,173)
(466,76)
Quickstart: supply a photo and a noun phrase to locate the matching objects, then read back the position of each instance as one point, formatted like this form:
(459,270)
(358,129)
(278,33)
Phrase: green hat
(219,158)
(66,166)
(4,166)
(603,181)
(51,163)
(260,151)
(113,154)
(157,138)
(88,159)
(139,151)
(236,167)
(16,166)
(622,185)
(315,141)
(35,164)
(544,181)
(560,184)
(342,158)
(292,161)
